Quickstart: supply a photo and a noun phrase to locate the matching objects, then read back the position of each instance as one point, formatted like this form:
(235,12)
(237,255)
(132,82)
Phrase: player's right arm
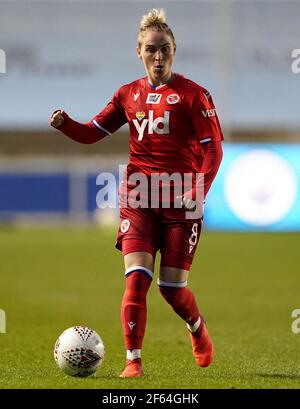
(111,118)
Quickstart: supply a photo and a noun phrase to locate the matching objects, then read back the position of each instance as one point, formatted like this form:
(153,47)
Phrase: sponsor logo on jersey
(152,124)
(173,99)
(135,97)
(140,115)
(209,112)
(153,98)
(125,225)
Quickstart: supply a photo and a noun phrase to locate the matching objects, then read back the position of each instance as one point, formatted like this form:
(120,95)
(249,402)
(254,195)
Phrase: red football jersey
(168,124)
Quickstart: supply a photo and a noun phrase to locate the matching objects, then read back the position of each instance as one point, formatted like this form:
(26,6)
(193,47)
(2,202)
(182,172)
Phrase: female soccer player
(174,129)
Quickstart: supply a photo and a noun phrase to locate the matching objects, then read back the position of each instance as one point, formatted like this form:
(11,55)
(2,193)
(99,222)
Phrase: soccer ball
(79,351)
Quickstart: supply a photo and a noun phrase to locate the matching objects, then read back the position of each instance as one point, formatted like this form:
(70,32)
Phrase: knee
(140,259)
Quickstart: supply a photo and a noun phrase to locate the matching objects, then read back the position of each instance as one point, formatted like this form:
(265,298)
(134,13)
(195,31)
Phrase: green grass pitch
(247,286)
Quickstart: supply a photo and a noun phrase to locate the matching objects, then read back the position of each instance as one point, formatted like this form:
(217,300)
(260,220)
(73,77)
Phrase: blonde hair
(155,20)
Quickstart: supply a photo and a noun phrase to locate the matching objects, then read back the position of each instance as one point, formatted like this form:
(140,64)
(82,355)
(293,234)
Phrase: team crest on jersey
(153,98)
(173,99)
(125,225)
(140,115)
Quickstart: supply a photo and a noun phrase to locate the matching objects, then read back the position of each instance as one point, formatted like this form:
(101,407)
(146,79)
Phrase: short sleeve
(204,117)
(112,117)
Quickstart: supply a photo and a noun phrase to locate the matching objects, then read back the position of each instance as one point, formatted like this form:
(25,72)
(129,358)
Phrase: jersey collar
(154,88)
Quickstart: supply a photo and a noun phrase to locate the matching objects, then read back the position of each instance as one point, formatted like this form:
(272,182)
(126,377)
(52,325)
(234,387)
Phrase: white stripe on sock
(146,270)
(171,284)
(133,354)
(194,327)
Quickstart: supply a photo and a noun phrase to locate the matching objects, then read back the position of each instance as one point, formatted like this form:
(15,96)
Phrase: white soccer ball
(79,351)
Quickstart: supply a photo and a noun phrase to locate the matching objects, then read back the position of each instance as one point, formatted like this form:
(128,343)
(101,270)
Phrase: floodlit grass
(246,285)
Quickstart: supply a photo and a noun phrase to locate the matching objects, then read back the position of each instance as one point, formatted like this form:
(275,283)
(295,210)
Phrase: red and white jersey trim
(205,140)
(101,127)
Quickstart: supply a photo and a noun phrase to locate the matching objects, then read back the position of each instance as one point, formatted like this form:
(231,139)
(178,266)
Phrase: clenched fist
(57,118)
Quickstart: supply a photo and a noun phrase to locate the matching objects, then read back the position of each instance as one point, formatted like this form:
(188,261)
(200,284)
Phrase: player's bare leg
(138,272)
(172,284)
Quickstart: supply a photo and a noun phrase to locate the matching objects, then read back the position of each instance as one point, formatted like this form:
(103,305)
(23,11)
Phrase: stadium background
(74,55)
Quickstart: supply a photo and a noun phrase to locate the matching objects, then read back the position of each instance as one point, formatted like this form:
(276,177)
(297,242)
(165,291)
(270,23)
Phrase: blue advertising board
(257,188)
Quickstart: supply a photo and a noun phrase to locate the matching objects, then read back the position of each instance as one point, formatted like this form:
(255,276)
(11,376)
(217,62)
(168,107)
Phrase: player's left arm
(212,161)
(210,136)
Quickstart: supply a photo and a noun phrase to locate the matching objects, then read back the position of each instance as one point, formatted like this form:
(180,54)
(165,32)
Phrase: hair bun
(155,16)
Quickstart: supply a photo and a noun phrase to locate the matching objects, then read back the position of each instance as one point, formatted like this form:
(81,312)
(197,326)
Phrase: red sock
(182,301)
(134,309)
